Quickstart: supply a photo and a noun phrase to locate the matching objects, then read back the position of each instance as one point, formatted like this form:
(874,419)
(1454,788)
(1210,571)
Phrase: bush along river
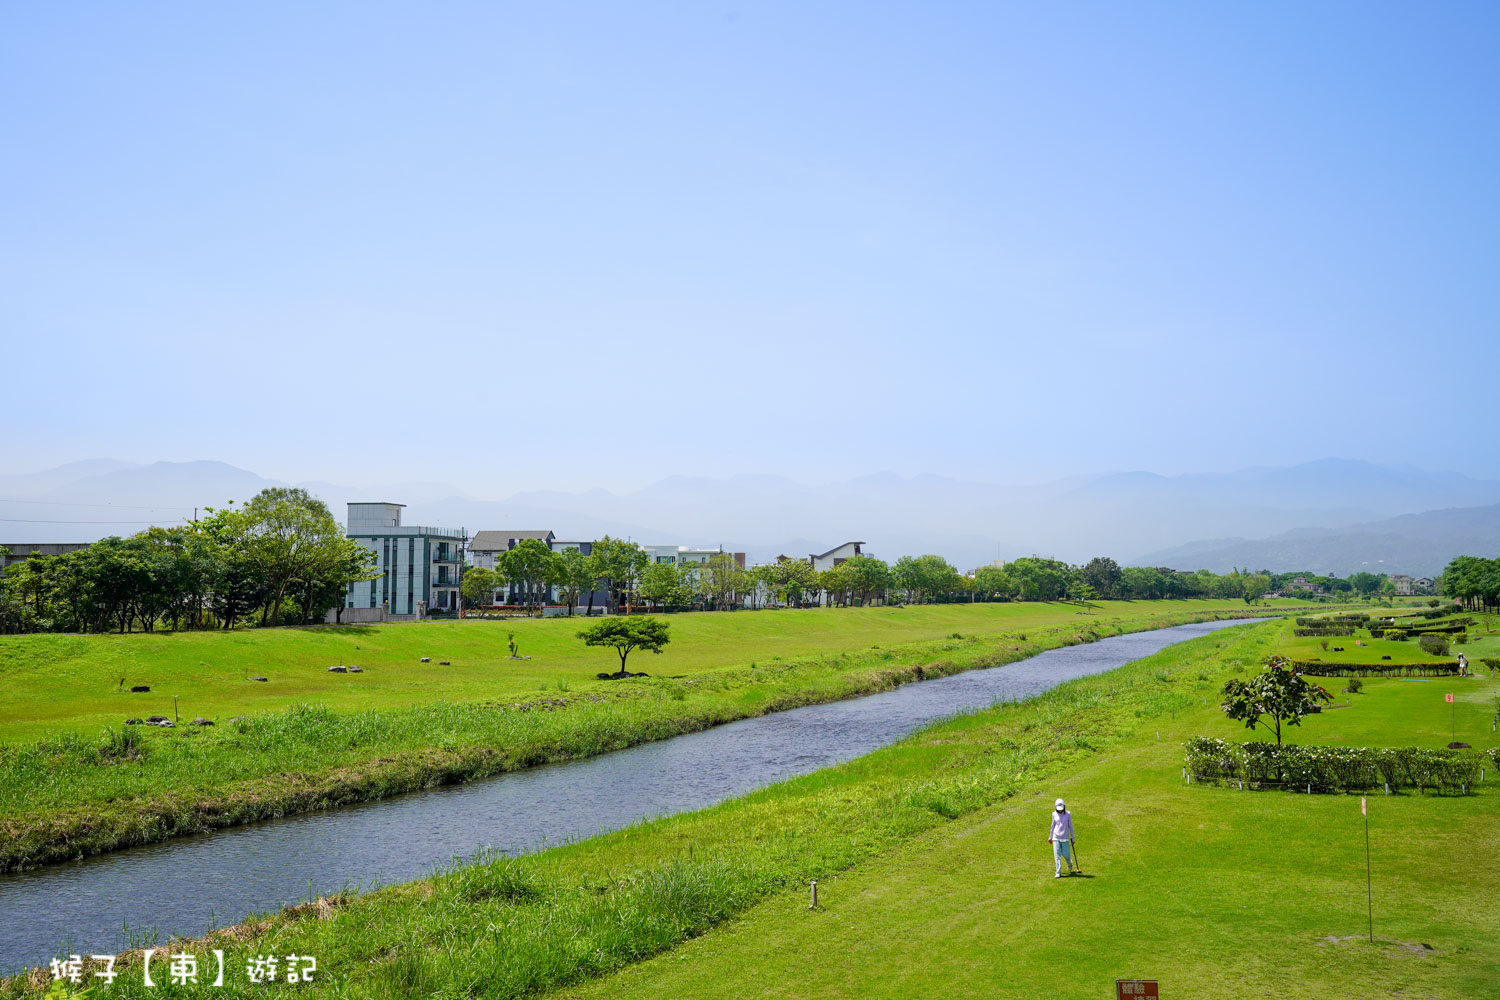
(108,902)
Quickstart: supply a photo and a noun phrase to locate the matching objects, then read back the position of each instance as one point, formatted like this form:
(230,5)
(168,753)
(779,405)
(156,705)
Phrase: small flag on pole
(1362,810)
(1448,697)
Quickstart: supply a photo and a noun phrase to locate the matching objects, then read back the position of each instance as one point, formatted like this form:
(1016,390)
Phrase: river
(187,885)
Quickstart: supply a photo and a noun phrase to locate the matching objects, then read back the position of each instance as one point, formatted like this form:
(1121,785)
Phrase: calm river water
(187,885)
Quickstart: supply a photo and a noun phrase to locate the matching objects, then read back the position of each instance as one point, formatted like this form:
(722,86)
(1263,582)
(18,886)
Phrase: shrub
(1323,643)
(1461,638)
(1327,769)
(1428,668)
(1354,685)
(1434,645)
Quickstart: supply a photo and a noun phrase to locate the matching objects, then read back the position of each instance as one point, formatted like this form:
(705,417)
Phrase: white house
(836,555)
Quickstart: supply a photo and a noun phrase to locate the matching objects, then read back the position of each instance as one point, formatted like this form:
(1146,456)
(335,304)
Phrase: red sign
(1129,989)
(1448,698)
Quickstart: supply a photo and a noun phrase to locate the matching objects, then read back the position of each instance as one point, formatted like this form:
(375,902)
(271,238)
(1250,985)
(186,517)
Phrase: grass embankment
(401,725)
(936,879)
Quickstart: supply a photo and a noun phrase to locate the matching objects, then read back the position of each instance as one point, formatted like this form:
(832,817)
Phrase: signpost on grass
(1453,716)
(1369,897)
(1130,989)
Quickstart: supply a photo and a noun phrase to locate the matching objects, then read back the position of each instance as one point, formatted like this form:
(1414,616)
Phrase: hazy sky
(512,246)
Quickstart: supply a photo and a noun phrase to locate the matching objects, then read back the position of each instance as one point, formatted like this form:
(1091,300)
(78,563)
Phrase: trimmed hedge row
(1331,769)
(1322,631)
(1319,668)
(1417,629)
(1334,620)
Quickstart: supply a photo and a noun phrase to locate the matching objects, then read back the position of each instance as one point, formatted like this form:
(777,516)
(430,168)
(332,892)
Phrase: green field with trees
(306,738)
(935,876)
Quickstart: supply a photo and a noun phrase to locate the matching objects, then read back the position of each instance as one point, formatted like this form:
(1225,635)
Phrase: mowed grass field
(80,683)
(936,879)
(308,739)
(1212,891)
(1484,641)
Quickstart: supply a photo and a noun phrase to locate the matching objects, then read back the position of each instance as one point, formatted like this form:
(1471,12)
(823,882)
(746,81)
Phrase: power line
(34,520)
(71,503)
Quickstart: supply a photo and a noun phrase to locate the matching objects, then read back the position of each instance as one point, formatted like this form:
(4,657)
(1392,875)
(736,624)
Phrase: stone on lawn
(356,670)
(139,688)
(201,721)
(261,679)
(426,659)
(444,663)
(338,670)
(132,722)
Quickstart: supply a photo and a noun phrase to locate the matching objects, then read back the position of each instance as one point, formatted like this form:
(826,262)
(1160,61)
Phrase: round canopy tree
(625,635)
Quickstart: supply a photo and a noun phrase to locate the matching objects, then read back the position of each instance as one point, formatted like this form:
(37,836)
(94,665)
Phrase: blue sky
(514,246)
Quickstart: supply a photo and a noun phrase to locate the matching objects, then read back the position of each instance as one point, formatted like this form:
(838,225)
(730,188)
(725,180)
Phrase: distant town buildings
(1408,587)
(1302,583)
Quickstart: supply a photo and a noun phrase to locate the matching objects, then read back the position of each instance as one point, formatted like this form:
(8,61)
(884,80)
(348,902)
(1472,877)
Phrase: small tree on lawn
(625,635)
(1278,692)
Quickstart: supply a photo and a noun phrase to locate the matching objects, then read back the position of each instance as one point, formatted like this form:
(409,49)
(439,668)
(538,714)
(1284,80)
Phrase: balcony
(452,557)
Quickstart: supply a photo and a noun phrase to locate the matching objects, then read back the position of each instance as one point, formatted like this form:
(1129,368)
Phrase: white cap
(1060,806)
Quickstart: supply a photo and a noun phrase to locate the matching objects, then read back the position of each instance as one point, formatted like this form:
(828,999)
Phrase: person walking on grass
(1061,839)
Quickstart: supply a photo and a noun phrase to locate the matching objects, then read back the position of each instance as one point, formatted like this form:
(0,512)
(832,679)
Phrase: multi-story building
(683,555)
(420,568)
(1403,584)
(1423,585)
(485,549)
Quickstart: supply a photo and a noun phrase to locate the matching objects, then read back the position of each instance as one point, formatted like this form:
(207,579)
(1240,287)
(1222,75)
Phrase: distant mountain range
(1418,544)
(1332,513)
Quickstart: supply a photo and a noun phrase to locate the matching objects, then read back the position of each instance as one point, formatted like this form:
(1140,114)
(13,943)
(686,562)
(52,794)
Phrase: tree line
(622,571)
(279,559)
(283,559)
(1474,582)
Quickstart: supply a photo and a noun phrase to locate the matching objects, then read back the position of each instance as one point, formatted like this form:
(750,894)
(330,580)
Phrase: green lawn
(1482,643)
(309,739)
(936,879)
(1215,892)
(58,683)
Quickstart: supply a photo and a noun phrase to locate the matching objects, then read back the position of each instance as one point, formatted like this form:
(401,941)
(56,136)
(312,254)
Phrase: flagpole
(1369,896)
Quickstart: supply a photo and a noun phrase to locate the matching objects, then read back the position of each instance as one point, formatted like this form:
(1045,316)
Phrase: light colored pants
(1062,851)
